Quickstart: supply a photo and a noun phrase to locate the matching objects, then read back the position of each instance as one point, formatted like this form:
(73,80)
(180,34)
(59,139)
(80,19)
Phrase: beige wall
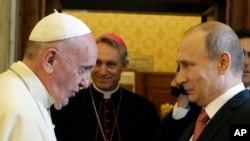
(145,34)
(8,32)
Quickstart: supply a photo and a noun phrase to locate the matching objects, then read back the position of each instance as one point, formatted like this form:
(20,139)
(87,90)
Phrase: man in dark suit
(211,65)
(105,111)
(172,127)
(182,114)
(244,36)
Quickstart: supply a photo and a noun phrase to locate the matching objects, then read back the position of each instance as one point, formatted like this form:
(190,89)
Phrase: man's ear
(49,60)
(125,65)
(224,62)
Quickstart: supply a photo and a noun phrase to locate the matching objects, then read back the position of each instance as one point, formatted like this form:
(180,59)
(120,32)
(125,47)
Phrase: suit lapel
(223,115)
(188,132)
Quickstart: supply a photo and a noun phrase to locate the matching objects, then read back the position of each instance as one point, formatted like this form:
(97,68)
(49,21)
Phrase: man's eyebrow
(183,62)
(86,67)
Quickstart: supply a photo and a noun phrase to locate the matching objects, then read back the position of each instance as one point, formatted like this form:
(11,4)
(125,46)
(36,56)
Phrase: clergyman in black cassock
(136,120)
(105,111)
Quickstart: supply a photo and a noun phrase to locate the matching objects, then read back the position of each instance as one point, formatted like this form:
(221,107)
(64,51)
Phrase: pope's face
(73,70)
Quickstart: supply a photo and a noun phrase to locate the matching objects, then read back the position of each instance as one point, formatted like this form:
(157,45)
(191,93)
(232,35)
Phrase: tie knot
(203,117)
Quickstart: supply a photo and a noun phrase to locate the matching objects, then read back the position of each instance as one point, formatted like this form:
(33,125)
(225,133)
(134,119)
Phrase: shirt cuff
(179,112)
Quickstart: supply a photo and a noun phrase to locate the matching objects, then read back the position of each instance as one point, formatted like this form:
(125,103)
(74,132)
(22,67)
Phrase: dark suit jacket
(171,129)
(236,111)
(77,121)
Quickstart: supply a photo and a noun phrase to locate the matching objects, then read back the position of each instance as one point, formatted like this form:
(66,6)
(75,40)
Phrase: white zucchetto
(58,26)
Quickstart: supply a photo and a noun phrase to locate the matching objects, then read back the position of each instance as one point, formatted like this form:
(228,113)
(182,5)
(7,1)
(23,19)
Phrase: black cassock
(137,118)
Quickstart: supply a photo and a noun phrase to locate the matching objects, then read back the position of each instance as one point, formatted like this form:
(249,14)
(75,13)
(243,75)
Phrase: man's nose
(181,78)
(85,80)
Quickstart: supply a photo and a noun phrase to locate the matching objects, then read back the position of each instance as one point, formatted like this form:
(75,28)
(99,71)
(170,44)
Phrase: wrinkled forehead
(82,49)
(82,43)
(245,43)
(193,42)
(108,51)
(192,46)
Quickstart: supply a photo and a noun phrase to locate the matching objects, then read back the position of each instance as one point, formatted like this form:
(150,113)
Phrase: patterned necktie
(200,124)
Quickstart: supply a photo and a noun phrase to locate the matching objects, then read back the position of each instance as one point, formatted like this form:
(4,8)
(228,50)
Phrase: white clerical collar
(106,94)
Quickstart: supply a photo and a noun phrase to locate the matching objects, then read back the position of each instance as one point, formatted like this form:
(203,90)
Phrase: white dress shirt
(213,107)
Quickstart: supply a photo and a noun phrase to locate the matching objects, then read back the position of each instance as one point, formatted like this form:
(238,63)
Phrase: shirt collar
(216,104)
(106,94)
